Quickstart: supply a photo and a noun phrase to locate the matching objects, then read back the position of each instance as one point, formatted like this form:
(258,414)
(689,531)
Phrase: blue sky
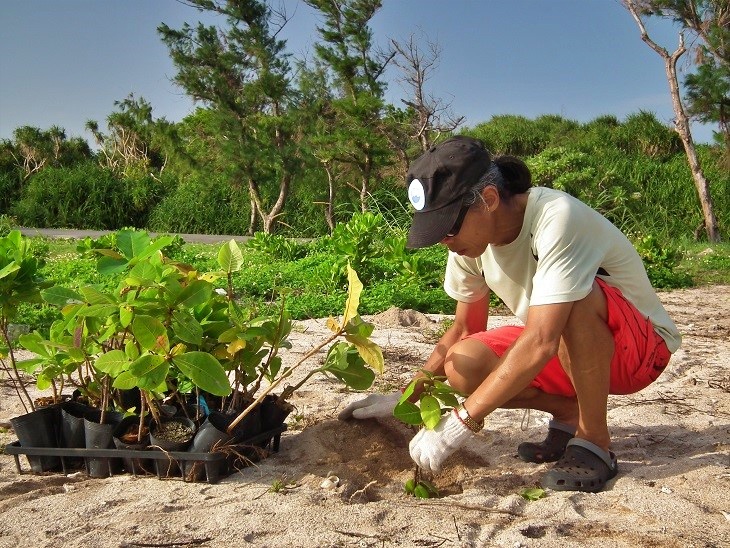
(63,62)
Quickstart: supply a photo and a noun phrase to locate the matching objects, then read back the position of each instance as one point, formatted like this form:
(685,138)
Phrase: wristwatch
(470,423)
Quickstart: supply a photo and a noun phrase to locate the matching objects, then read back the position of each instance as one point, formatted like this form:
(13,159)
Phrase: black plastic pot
(39,428)
(101,436)
(133,465)
(159,441)
(72,429)
(211,434)
(274,412)
(72,423)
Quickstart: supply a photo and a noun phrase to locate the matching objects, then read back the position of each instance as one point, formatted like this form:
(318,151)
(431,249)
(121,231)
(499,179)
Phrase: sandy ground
(672,441)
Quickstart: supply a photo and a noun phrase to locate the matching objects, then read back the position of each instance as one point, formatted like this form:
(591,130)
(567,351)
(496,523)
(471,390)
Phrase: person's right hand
(372,407)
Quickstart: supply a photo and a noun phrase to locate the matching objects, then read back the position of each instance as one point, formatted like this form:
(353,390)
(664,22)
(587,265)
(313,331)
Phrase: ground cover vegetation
(282,148)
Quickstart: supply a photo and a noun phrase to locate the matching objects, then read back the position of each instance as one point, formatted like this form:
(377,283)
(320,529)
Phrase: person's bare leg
(586,350)
(470,361)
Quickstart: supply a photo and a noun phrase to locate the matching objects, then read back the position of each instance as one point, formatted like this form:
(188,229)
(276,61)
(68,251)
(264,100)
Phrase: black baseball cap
(438,181)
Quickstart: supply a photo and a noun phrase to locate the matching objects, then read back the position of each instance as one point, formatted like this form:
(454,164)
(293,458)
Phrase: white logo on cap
(416,194)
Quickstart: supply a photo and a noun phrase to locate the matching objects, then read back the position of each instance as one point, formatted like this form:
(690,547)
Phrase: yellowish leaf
(332,325)
(235,346)
(369,352)
(354,289)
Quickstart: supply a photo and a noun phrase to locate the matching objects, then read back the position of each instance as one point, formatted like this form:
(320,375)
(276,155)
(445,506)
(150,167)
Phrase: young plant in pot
(20,282)
(353,358)
(424,401)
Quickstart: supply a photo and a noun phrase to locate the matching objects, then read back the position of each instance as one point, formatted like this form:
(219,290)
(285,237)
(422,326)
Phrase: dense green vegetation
(311,276)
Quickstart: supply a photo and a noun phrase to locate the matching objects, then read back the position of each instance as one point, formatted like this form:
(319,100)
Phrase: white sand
(672,441)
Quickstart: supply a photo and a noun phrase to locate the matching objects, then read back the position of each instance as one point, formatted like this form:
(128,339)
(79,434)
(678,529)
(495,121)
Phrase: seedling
(532,493)
(434,398)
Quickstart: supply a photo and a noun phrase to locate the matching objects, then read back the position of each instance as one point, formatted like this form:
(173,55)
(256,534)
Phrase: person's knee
(468,363)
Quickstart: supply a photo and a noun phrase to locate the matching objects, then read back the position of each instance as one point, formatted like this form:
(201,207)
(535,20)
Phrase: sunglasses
(457,224)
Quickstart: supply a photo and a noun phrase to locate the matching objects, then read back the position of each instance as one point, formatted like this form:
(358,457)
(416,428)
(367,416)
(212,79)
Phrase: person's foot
(551,448)
(584,467)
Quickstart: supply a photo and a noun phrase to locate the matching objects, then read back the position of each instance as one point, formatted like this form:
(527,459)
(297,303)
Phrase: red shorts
(640,354)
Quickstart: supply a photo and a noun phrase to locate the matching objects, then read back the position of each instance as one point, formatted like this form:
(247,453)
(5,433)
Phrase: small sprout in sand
(282,485)
(422,489)
(533,493)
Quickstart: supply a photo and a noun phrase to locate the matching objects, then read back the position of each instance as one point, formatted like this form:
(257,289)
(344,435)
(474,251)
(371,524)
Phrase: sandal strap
(606,456)
(562,426)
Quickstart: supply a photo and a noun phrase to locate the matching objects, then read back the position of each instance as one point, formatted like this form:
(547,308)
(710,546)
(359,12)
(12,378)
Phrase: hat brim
(430,227)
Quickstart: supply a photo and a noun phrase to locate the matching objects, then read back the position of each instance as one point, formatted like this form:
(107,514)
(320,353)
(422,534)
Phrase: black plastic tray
(216,463)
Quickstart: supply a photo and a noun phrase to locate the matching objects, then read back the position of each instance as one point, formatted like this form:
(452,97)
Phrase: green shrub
(661,263)
(202,205)
(84,196)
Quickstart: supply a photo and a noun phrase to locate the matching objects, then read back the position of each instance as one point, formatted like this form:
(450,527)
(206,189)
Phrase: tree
(135,142)
(681,122)
(708,89)
(431,116)
(33,149)
(347,52)
(241,73)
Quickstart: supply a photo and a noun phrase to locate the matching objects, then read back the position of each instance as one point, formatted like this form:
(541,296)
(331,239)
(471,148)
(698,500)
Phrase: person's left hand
(429,448)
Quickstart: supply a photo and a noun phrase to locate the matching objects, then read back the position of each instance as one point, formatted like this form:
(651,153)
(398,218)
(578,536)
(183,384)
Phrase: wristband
(468,421)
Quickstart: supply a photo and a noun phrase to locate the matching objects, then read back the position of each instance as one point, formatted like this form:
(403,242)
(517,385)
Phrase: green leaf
(98,310)
(144,273)
(43,382)
(205,371)
(112,363)
(356,376)
(126,314)
(430,487)
(35,343)
(187,328)
(125,381)
(30,365)
(337,356)
(110,265)
(93,296)
(197,292)
(532,493)
(430,411)
(131,350)
(230,257)
(408,412)
(132,243)
(144,364)
(60,296)
(150,333)
(9,269)
(448,399)
(356,326)
(421,492)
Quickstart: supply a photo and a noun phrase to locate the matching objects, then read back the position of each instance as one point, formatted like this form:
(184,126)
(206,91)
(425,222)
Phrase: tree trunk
(681,124)
(329,212)
(270,217)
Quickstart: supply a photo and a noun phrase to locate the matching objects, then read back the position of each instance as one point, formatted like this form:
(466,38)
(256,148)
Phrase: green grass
(706,264)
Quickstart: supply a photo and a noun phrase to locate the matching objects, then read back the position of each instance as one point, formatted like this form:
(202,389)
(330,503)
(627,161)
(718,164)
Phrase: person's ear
(490,194)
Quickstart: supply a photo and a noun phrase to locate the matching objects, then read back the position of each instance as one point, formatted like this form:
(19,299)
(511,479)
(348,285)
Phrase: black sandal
(552,448)
(584,467)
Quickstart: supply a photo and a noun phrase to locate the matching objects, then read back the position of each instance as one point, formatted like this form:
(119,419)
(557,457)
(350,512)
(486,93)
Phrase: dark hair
(508,173)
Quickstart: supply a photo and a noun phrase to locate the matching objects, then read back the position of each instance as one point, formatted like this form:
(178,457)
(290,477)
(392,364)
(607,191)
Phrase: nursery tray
(215,462)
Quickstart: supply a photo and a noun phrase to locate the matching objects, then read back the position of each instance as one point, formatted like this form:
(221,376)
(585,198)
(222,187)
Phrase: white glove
(373,407)
(429,448)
